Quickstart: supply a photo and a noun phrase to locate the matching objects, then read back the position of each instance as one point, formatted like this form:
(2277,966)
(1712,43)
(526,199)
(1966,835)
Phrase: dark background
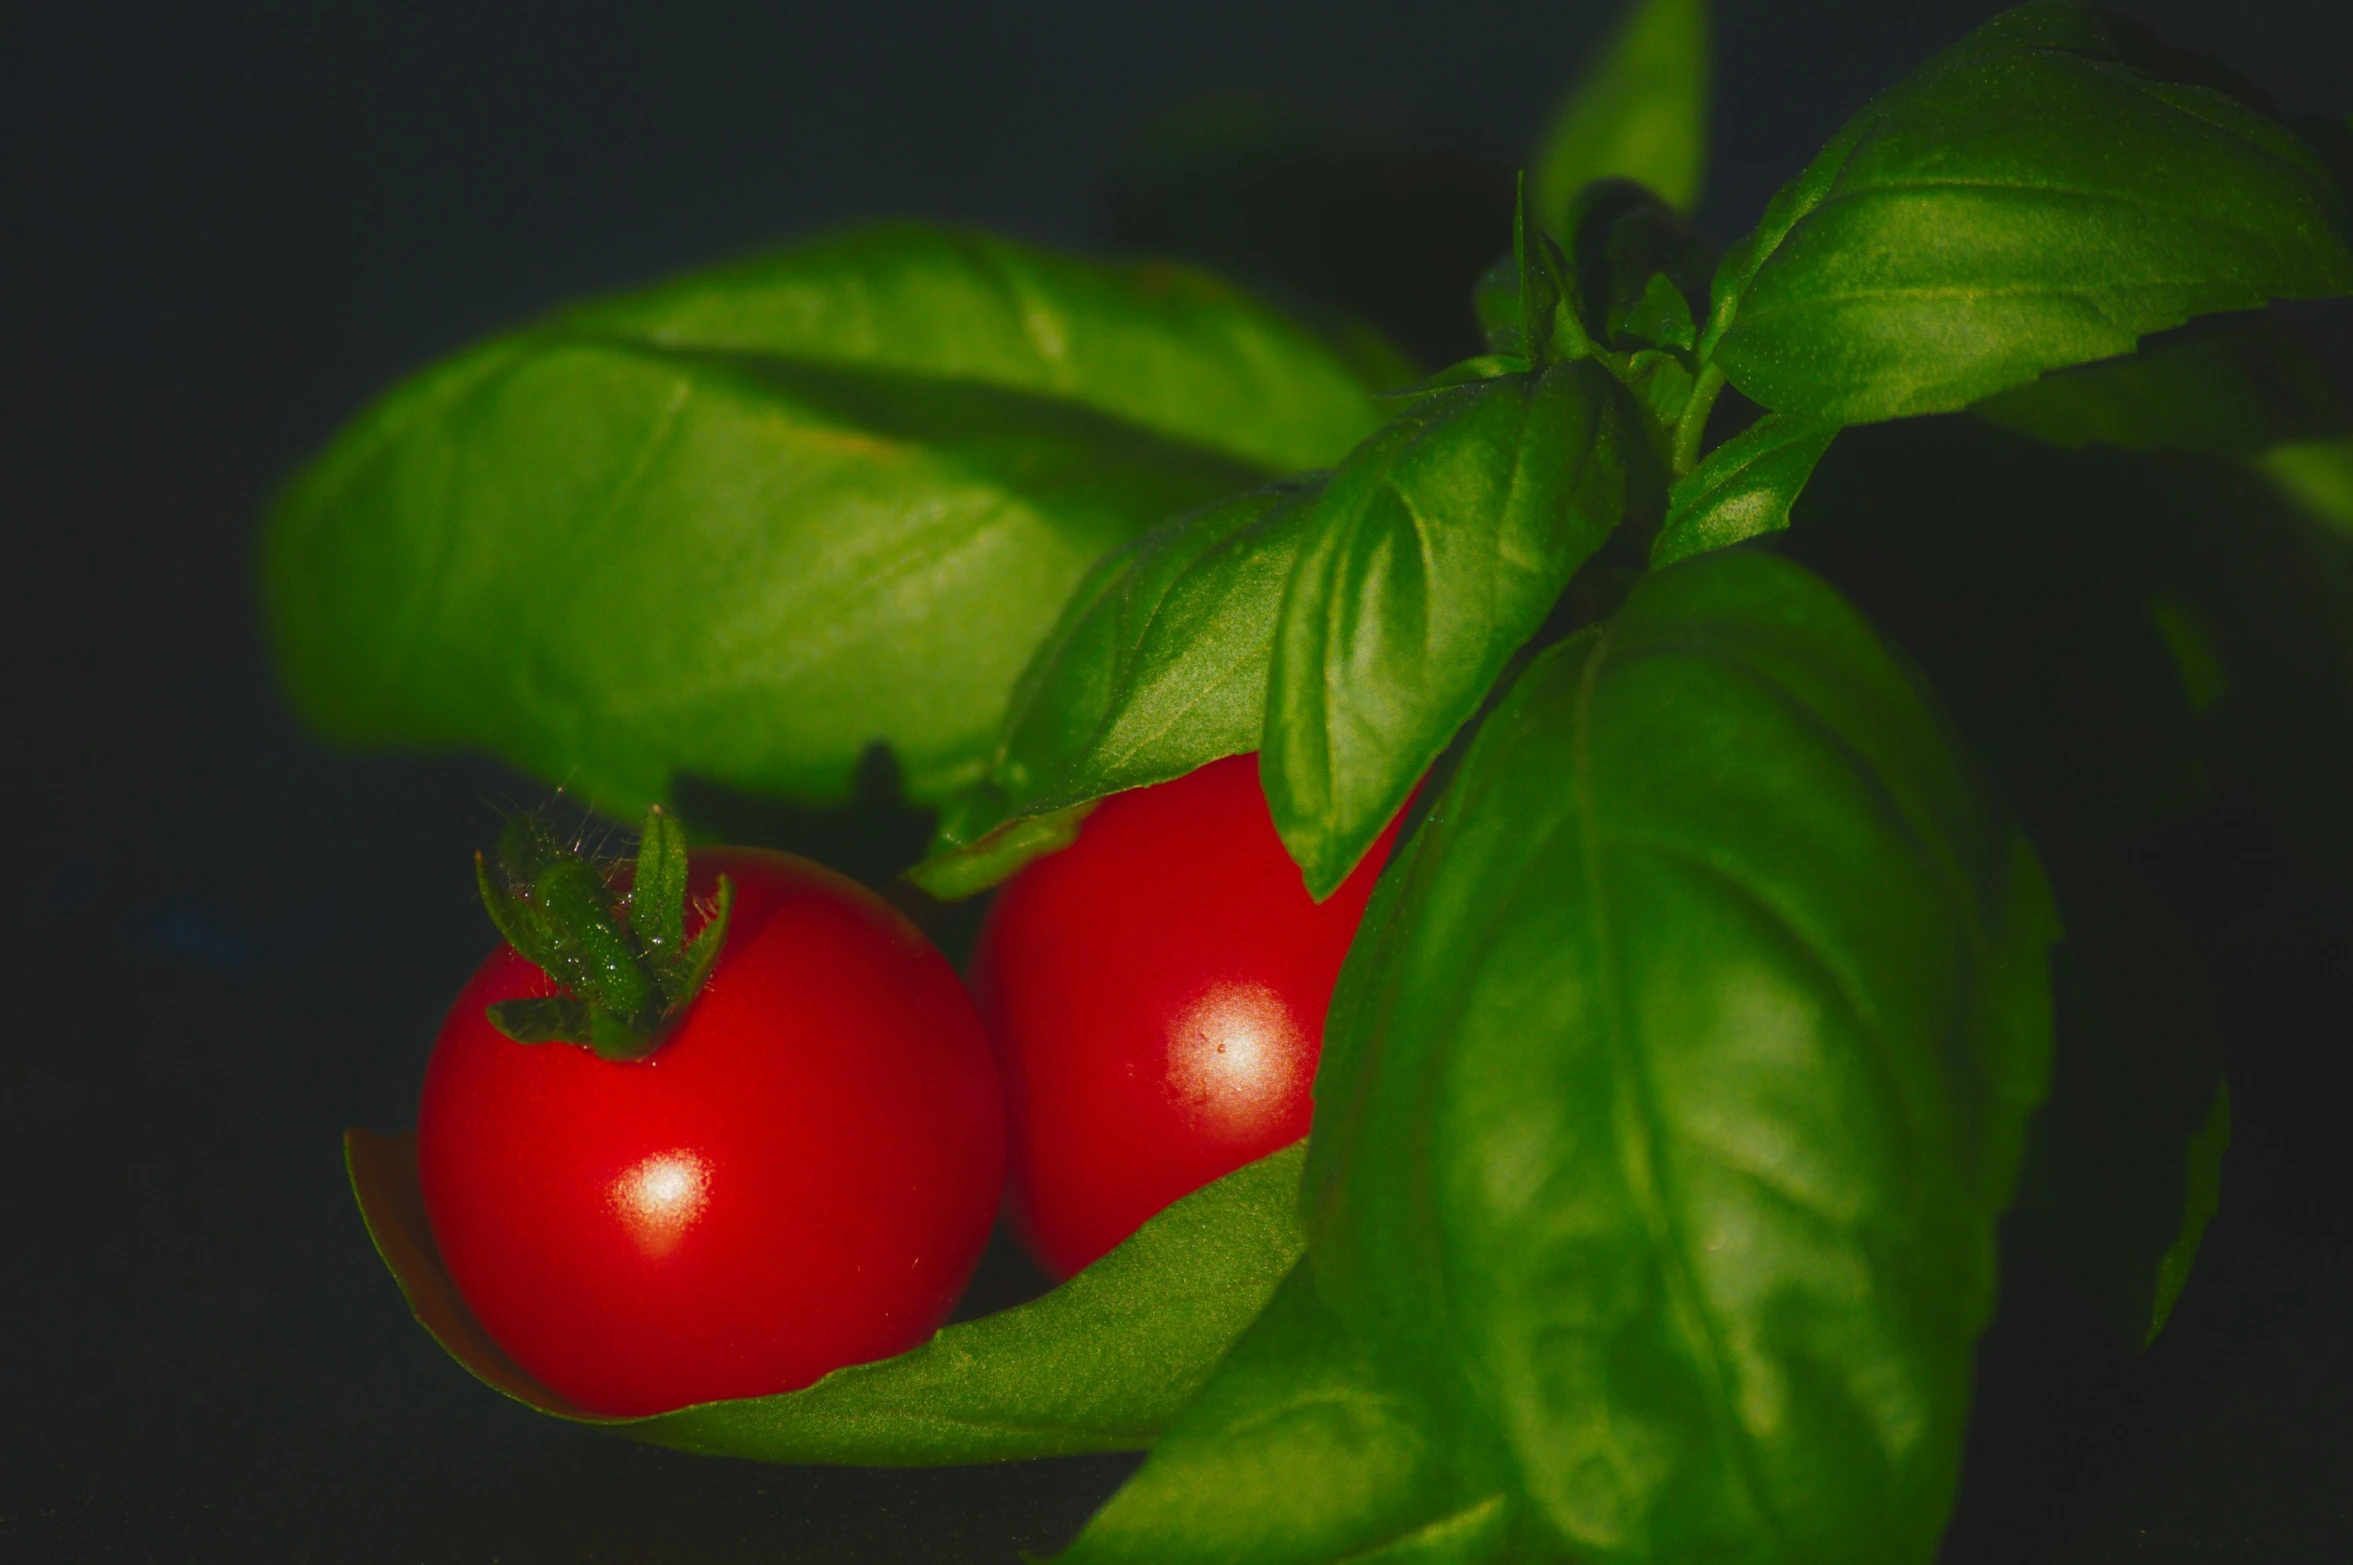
(224,227)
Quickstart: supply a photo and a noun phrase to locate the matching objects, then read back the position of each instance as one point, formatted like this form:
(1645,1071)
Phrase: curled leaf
(1102,1363)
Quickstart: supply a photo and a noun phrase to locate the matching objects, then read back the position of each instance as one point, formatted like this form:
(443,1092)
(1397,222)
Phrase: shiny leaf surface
(1158,665)
(1434,551)
(1713,1000)
(2044,193)
(1744,489)
(747,524)
(1296,1453)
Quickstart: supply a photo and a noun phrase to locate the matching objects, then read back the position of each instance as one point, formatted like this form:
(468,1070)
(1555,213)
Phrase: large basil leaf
(2043,193)
(1745,488)
(1664,1122)
(1296,1453)
(746,525)
(2232,387)
(1639,112)
(1434,551)
(1102,1363)
(1157,666)
(1162,347)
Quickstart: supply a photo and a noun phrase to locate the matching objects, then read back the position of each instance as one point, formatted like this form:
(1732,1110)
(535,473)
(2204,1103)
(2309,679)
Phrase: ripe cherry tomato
(800,1176)
(1156,995)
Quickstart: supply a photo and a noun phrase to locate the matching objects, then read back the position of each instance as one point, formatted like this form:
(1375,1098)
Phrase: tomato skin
(801,1176)
(1156,994)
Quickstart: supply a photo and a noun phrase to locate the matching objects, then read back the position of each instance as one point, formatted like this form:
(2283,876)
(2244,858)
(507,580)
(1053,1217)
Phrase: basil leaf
(1435,550)
(2043,193)
(1639,111)
(1102,1363)
(1663,1125)
(1632,278)
(2234,387)
(1296,1454)
(749,524)
(1745,488)
(2125,1164)
(1161,347)
(2317,476)
(1158,666)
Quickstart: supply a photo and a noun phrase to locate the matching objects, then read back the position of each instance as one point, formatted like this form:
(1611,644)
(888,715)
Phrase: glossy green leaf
(2234,387)
(1639,111)
(2124,1168)
(1103,1363)
(1712,1001)
(1157,666)
(2043,193)
(1434,551)
(1158,346)
(748,524)
(1296,1453)
(1744,489)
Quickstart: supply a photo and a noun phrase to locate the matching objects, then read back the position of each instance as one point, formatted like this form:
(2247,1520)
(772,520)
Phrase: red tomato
(801,1176)
(1156,994)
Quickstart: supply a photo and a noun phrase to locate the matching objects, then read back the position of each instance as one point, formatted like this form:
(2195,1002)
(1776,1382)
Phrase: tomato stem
(613,939)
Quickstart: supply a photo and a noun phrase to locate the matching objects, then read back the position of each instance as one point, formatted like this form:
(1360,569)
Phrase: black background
(223,228)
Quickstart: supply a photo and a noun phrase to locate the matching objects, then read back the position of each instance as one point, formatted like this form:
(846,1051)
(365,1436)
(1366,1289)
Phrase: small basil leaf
(1660,380)
(1642,271)
(1639,111)
(2124,1168)
(2317,477)
(1663,1125)
(978,845)
(1103,1363)
(1295,1453)
(1549,310)
(1463,372)
(1158,666)
(1744,489)
(1634,277)
(2043,193)
(747,525)
(1661,315)
(2230,387)
(1496,302)
(1435,550)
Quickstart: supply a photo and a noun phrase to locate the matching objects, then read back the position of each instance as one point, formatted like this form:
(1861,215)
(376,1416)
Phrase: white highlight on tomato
(660,1198)
(1234,1057)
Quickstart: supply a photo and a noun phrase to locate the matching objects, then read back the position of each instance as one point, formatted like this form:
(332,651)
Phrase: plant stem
(1691,426)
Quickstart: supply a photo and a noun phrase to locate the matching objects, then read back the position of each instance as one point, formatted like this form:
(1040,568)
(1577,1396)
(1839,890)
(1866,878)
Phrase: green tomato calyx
(615,941)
